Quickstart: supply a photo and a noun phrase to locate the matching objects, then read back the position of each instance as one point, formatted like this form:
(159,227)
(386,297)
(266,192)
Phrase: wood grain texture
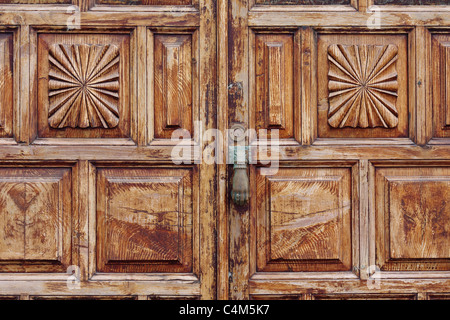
(272,102)
(303,220)
(83,86)
(362,85)
(144,220)
(173,84)
(364,92)
(6,85)
(36,220)
(441,84)
(412,218)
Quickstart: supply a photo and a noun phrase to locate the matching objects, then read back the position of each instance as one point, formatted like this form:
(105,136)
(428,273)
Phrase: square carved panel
(144,220)
(83,86)
(412,218)
(274,78)
(363,91)
(441,85)
(6,88)
(303,220)
(35,219)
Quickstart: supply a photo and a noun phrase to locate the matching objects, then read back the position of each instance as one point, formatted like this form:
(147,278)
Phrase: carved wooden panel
(144,220)
(173,83)
(303,2)
(303,220)
(6,88)
(413,218)
(441,85)
(35,219)
(363,91)
(362,85)
(144,2)
(365,296)
(411,2)
(273,92)
(83,86)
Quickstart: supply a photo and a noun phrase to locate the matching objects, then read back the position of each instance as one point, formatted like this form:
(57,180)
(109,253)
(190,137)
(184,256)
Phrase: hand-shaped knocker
(240,191)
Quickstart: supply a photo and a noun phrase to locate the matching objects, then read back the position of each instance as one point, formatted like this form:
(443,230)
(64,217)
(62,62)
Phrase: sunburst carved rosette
(363,86)
(83,86)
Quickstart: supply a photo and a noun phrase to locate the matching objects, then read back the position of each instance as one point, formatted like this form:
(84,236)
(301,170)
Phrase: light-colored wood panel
(303,220)
(36,219)
(144,220)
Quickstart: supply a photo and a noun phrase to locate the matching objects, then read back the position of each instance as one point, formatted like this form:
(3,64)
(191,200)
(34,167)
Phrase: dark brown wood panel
(412,2)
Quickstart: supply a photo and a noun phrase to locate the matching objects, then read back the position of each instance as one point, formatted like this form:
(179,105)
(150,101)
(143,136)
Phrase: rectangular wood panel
(6,88)
(36,222)
(144,220)
(274,84)
(173,83)
(441,85)
(304,220)
(413,218)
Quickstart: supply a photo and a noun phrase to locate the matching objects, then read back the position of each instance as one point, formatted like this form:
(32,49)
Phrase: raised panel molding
(441,85)
(363,90)
(35,219)
(362,85)
(364,296)
(144,220)
(173,83)
(83,86)
(6,88)
(303,220)
(273,84)
(412,219)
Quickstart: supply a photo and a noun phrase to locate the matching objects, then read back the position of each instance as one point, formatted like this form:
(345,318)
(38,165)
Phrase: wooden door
(91,203)
(358,92)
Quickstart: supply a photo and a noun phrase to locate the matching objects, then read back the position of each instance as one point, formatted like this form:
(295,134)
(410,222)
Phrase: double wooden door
(113,133)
